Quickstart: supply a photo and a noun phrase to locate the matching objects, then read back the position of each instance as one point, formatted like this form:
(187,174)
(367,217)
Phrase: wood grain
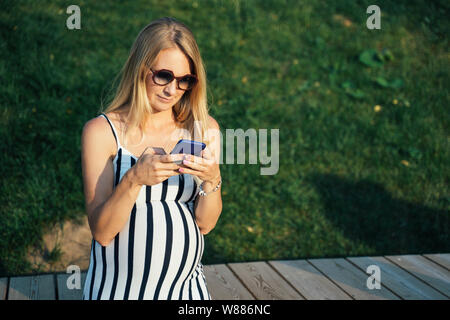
(39,287)
(312,284)
(3,288)
(223,284)
(64,293)
(434,275)
(443,259)
(264,282)
(351,279)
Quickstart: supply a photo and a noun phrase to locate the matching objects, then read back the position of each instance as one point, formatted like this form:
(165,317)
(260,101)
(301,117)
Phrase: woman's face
(162,98)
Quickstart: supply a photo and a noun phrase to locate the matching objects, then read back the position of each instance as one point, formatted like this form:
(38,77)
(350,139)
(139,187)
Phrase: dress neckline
(128,151)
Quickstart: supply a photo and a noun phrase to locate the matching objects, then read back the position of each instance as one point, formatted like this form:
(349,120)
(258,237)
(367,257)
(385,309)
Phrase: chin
(157,106)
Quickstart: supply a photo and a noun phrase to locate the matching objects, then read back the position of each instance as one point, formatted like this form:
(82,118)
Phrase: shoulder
(96,126)
(100,125)
(212,123)
(98,131)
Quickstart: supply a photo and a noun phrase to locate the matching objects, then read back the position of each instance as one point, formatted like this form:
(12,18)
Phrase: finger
(201,161)
(194,166)
(189,171)
(195,159)
(167,173)
(208,157)
(206,153)
(171,157)
(167,166)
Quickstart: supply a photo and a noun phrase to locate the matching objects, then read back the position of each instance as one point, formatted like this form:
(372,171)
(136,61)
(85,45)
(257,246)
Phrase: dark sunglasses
(163,77)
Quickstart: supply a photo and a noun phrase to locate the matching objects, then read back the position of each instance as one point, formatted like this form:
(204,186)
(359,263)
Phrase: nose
(171,88)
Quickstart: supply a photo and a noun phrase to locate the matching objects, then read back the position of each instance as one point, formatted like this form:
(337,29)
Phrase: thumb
(206,153)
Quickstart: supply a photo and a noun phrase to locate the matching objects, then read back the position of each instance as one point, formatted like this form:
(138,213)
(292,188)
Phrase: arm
(108,210)
(208,208)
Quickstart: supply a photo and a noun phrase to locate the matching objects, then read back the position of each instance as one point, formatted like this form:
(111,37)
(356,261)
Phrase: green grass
(352,181)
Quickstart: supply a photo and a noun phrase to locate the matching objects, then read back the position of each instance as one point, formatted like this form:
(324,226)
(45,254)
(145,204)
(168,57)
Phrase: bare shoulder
(97,131)
(212,123)
(96,127)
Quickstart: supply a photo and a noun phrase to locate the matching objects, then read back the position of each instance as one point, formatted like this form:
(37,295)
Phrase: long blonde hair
(192,109)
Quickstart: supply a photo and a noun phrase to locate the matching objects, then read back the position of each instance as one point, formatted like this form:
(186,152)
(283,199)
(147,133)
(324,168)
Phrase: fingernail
(181,170)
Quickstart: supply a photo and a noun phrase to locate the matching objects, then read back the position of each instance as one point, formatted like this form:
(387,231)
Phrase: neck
(160,120)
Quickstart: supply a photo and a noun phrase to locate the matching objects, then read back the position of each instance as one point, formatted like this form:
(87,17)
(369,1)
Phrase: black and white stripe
(157,254)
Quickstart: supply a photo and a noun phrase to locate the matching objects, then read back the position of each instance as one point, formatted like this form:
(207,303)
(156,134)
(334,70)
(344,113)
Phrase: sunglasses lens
(163,77)
(187,83)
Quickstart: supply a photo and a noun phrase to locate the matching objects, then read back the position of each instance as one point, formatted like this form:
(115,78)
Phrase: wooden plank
(37,287)
(64,293)
(264,282)
(443,259)
(398,280)
(351,279)
(3,288)
(223,284)
(429,272)
(312,284)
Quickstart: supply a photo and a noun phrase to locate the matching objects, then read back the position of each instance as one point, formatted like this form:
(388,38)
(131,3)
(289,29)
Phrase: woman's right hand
(151,168)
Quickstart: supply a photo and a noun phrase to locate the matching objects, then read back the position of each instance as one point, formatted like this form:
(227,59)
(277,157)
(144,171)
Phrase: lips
(163,99)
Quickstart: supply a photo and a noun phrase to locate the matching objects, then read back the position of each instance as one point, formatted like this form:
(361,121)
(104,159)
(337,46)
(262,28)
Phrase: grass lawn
(361,117)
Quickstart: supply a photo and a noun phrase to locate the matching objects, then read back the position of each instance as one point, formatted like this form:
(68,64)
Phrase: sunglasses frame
(155,72)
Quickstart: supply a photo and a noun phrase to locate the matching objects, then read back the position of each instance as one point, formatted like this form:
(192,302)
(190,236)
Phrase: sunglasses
(163,77)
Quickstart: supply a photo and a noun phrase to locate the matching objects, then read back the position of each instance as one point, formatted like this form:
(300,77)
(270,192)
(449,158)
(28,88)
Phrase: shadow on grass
(366,212)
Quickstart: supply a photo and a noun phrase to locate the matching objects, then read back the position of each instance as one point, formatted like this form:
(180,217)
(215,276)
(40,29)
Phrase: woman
(147,214)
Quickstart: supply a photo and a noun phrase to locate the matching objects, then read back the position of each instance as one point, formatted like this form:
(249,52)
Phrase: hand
(204,167)
(151,168)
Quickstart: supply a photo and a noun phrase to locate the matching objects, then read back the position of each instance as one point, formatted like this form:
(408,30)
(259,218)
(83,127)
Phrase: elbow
(205,230)
(207,226)
(102,240)
(98,236)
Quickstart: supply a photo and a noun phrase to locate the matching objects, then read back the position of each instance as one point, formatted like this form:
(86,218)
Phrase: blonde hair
(192,109)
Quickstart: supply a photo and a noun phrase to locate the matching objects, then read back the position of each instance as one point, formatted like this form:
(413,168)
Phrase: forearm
(109,218)
(209,207)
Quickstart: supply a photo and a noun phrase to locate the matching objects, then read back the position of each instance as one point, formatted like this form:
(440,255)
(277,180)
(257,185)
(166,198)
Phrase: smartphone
(188,147)
(159,151)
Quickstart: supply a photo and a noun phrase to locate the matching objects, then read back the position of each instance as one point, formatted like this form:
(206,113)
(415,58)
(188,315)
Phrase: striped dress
(157,255)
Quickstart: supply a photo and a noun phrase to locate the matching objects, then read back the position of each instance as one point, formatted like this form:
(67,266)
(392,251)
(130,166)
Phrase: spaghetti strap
(113,130)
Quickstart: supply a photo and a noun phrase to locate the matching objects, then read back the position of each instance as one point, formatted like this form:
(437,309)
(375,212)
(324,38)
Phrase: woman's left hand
(204,167)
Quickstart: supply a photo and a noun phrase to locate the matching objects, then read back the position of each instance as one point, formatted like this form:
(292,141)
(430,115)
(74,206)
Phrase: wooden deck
(419,277)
